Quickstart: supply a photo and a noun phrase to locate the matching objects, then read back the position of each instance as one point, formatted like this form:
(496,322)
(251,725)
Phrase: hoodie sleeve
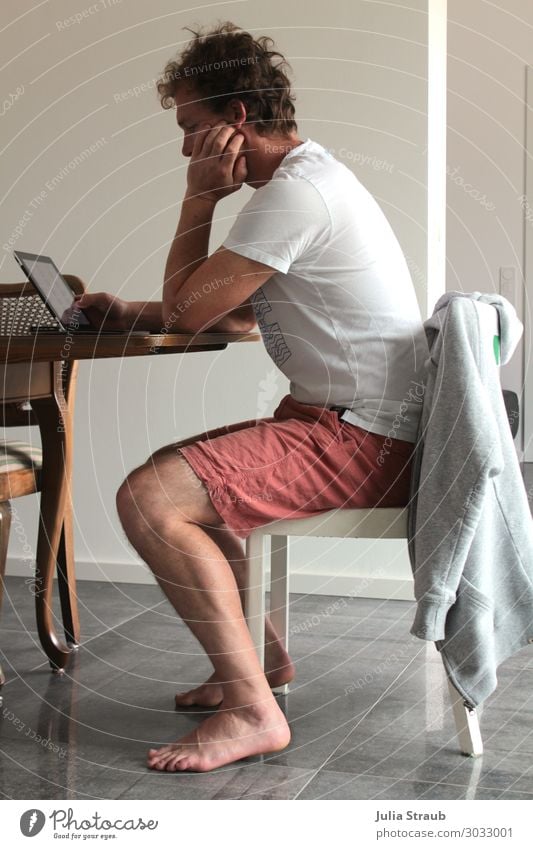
(461,452)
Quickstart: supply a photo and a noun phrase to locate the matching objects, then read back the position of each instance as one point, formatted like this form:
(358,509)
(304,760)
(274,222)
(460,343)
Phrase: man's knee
(131,496)
(142,506)
(150,497)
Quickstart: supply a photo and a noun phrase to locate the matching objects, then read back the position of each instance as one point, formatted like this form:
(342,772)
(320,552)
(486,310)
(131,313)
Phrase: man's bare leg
(162,513)
(278,665)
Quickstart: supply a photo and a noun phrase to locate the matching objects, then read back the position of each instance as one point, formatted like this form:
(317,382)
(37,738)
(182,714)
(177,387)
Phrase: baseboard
(355,586)
(114,572)
(309,583)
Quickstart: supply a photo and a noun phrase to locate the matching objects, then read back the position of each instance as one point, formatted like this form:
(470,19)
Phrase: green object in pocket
(496,346)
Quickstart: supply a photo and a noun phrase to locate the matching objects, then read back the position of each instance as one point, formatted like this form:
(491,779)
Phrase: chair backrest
(21,306)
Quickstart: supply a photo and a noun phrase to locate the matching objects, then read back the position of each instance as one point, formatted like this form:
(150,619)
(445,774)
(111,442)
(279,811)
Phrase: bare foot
(279,670)
(228,735)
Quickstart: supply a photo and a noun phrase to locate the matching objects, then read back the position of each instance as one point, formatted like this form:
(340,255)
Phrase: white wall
(360,72)
(489,47)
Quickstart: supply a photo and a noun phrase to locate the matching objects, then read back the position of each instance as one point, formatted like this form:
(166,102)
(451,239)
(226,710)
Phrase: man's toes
(190,697)
(157,758)
(158,753)
(183,764)
(168,756)
(187,694)
(171,758)
(175,762)
(202,696)
(161,765)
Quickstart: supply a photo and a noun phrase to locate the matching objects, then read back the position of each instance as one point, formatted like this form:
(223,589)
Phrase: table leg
(55,423)
(5,522)
(66,578)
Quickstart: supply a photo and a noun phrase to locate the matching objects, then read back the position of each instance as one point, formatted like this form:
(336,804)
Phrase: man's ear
(236,113)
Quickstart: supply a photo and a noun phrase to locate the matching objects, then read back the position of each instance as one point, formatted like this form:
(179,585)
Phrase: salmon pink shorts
(301,461)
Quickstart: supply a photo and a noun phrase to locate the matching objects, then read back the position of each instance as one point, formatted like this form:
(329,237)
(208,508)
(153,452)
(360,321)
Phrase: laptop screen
(56,292)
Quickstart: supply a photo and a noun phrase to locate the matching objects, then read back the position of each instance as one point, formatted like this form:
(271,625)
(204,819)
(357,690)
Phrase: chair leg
(254,594)
(5,524)
(279,593)
(467,724)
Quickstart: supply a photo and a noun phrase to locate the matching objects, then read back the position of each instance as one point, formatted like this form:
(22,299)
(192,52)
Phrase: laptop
(42,272)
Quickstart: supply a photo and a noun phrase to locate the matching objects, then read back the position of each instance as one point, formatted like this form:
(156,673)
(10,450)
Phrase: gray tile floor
(368,710)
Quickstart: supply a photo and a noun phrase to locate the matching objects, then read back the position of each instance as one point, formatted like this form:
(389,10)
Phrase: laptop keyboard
(18,314)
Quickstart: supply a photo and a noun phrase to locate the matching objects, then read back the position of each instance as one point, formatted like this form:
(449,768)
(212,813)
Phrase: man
(313,260)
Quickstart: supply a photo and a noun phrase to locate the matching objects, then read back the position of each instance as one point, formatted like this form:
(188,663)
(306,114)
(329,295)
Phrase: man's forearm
(240,320)
(245,313)
(148,315)
(190,245)
(189,249)
(145,315)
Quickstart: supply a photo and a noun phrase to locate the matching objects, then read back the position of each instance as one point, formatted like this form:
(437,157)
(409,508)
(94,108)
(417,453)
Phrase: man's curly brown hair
(226,63)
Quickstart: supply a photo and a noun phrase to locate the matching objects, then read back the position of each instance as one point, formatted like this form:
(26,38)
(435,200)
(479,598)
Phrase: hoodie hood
(511,328)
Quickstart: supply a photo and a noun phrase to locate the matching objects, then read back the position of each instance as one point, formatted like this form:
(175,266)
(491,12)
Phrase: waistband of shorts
(290,407)
(314,411)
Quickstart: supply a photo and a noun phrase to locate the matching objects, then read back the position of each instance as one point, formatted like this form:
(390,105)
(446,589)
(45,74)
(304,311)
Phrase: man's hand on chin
(217,167)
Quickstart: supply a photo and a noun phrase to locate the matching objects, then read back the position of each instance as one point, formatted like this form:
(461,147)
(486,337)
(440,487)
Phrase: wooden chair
(40,394)
(371,523)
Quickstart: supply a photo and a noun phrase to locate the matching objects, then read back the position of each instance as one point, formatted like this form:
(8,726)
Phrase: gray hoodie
(470,530)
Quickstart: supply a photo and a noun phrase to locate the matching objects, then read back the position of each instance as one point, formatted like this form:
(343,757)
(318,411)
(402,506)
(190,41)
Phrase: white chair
(370,523)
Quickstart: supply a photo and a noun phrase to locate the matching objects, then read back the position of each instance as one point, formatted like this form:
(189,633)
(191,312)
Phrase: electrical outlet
(508,283)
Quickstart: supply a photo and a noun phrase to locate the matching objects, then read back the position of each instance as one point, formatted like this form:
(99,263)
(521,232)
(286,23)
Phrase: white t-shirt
(340,317)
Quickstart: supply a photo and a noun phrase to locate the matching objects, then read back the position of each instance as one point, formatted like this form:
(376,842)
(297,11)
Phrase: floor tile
(29,770)
(252,781)
(421,757)
(330,784)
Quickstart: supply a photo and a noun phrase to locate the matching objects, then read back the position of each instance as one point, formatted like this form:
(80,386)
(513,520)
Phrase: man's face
(192,115)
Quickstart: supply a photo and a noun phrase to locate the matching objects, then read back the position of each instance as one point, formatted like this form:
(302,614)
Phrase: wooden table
(55,418)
